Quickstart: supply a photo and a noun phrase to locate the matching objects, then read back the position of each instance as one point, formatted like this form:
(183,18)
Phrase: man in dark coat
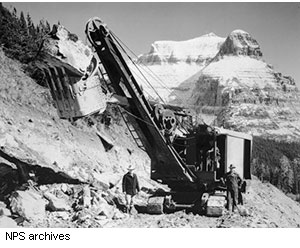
(232,183)
(130,185)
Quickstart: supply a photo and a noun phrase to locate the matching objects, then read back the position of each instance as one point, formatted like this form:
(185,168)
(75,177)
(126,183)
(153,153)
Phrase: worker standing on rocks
(130,187)
(232,178)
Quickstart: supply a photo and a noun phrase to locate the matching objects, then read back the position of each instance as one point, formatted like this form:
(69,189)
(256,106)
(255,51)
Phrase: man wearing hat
(232,181)
(130,187)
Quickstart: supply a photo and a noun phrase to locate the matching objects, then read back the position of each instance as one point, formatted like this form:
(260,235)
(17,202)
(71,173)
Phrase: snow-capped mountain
(227,82)
(195,50)
(169,63)
(238,90)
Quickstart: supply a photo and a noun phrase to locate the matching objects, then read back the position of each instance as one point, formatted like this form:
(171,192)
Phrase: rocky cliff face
(175,61)
(240,42)
(68,48)
(238,90)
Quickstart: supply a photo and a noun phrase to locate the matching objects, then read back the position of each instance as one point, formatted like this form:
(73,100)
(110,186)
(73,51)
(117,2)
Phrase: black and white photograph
(148,115)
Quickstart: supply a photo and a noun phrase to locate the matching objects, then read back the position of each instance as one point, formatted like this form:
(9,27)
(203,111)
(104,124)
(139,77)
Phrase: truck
(190,158)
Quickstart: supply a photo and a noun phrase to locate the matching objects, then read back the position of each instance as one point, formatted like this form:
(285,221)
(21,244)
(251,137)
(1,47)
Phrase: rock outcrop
(29,205)
(227,82)
(6,222)
(4,211)
(68,48)
(240,42)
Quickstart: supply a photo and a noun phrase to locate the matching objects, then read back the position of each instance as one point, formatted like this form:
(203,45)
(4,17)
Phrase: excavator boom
(165,162)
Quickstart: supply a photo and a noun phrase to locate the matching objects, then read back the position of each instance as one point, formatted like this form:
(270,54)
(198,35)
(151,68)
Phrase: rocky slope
(57,143)
(37,148)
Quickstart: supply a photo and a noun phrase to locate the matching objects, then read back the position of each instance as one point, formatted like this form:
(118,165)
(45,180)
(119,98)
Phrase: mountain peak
(239,43)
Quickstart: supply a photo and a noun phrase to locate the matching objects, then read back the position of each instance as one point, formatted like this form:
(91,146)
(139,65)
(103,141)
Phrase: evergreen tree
(18,36)
(15,12)
(47,27)
(286,176)
(30,25)
(42,26)
(38,31)
(23,38)
(23,23)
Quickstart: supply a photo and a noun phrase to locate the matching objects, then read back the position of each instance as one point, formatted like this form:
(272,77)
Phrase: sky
(275,25)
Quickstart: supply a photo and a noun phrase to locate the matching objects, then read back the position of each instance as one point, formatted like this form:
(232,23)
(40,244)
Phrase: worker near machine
(232,179)
(130,186)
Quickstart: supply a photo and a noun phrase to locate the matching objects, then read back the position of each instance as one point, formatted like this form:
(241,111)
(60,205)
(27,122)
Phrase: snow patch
(203,47)
(247,71)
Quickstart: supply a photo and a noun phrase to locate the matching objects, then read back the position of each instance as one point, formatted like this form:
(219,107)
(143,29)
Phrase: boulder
(109,197)
(65,188)
(28,204)
(133,211)
(82,216)
(97,198)
(8,178)
(55,203)
(63,215)
(118,215)
(66,47)
(243,211)
(3,210)
(86,196)
(43,188)
(107,210)
(6,222)
(118,198)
